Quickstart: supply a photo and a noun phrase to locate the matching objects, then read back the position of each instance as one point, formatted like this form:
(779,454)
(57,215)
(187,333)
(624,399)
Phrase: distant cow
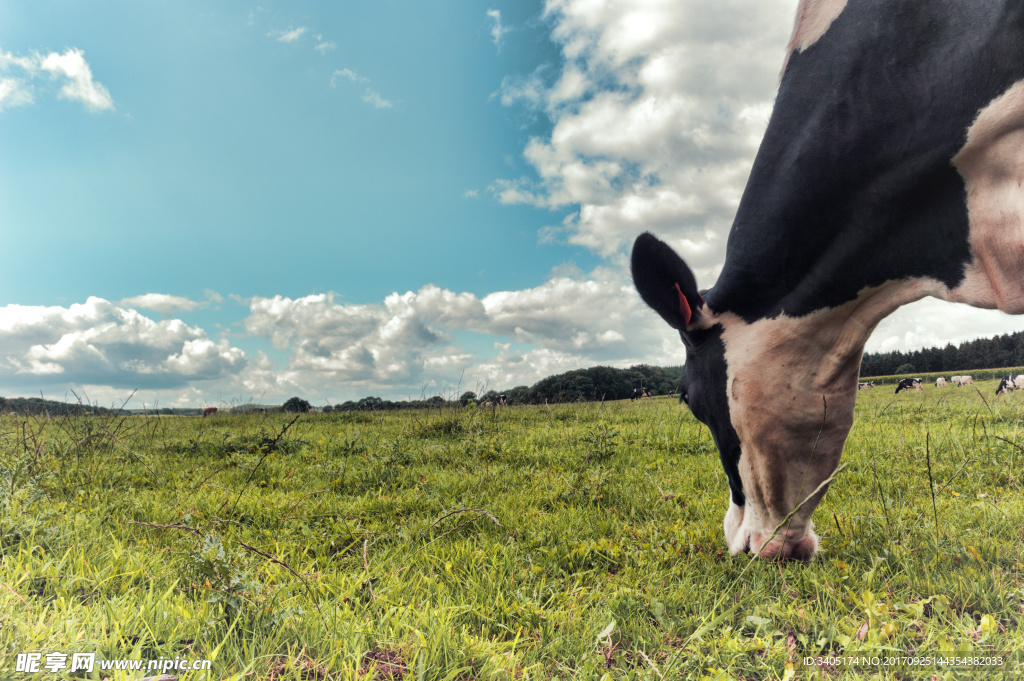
(502,400)
(209,411)
(1010,383)
(908,383)
(636,394)
(488,404)
(962,381)
(865,386)
(940,382)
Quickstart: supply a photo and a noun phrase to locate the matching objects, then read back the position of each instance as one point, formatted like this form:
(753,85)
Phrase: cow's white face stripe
(992,165)
(813,17)
(791,384)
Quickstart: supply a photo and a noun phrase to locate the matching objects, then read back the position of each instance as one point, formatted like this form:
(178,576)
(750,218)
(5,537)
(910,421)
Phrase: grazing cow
(1010,383)
(940,382)
(502,400)
(209,411)
(636,394)
(908,383)
(865,386)
(897,128)
(966,380)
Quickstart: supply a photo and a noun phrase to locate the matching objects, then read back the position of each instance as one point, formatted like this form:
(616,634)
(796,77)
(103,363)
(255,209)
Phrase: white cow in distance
(940,382)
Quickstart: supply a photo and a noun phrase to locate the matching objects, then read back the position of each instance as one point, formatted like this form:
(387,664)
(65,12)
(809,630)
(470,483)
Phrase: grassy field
(572,542)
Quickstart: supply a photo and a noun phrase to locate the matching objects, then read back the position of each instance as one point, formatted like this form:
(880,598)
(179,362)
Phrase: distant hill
(38,405)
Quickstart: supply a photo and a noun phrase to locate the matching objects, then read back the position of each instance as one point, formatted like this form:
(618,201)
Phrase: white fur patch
(813,17)
(992,165)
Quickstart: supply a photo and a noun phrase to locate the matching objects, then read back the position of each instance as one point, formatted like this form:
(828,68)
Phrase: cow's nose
(790,548)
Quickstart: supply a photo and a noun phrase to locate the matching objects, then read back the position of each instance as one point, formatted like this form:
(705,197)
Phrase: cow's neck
(820,351)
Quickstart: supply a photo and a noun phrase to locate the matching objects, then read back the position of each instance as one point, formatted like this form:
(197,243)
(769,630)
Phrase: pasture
(488,544)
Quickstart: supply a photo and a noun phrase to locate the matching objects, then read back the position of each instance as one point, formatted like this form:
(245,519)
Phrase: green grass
(480,544)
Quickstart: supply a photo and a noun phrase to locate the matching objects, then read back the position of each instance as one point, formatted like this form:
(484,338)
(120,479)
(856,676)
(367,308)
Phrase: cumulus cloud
(412,339)
(102,343)
(288,36)
(934,323)
(657,111)
(69,68)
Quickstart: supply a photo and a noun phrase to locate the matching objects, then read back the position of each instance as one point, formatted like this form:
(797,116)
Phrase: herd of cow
(918,384)
(1007,384)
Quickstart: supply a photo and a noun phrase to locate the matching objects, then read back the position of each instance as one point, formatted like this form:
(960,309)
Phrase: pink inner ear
(684,305)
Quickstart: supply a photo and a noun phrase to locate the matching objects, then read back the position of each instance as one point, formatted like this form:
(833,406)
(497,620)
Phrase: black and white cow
(897,128)
(940,382)
(910,383)
(1010,383)
(866,386)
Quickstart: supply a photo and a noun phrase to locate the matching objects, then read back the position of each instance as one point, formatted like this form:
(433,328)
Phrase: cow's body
(866,386)
(961,381)
(898,127)
(1010,383)
(910,384)
(209,411)
(940,382)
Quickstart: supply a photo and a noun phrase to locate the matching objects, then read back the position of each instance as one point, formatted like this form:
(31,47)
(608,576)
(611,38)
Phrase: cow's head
(777,394)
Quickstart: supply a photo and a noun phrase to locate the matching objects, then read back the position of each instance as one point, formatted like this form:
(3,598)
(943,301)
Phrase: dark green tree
(297,404)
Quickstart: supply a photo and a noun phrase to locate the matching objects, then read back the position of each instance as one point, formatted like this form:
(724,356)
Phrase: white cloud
(934,323)
(161,302)
(411,340)
(289,36)
(13,93)
(102,343)
(69,67)
(497,30)
(166,304)
(657,112)
(375,99)
(471,194)
(324,46)
(369,96)
(79,84)
(348,74)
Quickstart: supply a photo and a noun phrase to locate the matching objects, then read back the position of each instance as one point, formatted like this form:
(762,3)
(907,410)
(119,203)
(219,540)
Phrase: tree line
(580,385)
(38,405)
(984,353)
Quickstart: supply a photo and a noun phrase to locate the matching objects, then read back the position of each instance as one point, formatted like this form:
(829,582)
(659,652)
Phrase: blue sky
(212,203)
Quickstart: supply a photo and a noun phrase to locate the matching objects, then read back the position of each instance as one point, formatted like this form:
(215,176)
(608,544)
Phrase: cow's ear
(665,282)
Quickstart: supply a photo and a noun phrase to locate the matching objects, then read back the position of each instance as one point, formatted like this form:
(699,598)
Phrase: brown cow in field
(209,411)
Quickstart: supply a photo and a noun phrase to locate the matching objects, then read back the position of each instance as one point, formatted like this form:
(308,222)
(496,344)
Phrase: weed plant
(571,542)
